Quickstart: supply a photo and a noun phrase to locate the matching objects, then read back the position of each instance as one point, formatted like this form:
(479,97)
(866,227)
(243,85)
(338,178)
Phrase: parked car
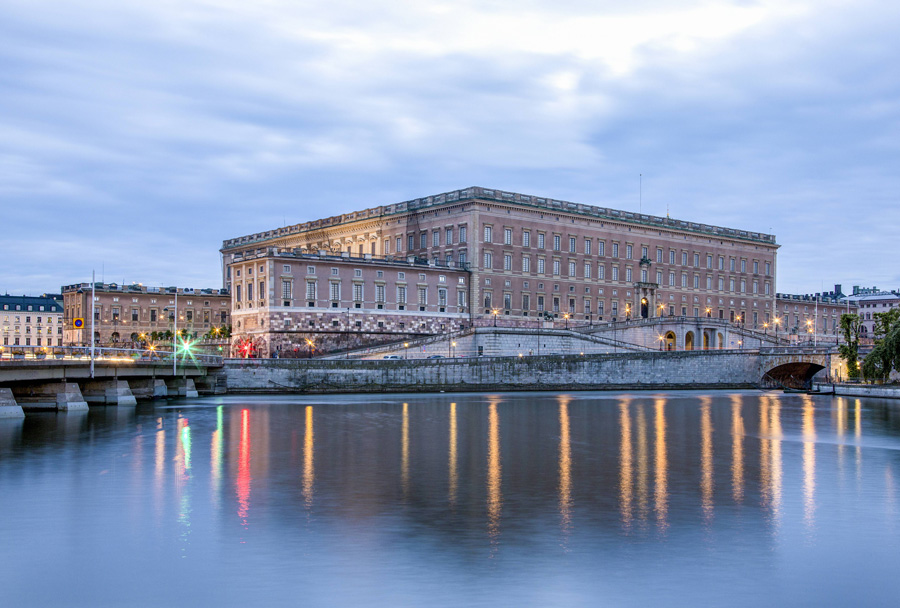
(435,357)
(392,357)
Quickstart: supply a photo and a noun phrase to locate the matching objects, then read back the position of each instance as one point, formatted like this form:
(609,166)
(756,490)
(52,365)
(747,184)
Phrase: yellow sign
(78,323)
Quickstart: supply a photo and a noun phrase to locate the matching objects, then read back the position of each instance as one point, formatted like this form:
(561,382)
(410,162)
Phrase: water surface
(518,499)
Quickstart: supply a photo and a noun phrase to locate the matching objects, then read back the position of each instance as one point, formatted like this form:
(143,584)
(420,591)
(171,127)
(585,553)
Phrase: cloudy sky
(136,136)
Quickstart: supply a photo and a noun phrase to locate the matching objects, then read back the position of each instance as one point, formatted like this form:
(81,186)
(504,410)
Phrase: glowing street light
(566,317)
(495,312)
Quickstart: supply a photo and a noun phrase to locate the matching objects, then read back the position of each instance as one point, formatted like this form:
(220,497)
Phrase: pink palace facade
(477,257)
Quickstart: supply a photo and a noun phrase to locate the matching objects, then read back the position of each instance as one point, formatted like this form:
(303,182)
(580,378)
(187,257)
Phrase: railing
(107,355)
(794,350)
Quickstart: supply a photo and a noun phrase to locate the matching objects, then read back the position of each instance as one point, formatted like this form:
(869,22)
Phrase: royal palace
(477,257)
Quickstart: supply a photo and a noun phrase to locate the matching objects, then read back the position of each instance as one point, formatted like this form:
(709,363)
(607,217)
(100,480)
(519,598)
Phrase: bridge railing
(105,354)
(795,350)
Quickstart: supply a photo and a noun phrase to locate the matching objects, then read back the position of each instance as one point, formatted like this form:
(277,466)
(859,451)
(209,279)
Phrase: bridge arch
(797,374)
(689,341)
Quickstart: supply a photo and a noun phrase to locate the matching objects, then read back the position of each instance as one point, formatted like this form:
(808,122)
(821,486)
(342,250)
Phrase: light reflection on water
(519,499)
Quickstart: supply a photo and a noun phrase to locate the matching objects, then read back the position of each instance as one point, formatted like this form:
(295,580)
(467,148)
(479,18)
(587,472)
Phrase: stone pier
(108,392)
(62,396)
(8,406)
(181,387)
(148,388)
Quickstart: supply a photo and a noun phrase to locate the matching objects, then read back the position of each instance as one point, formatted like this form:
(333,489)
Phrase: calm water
(537,499)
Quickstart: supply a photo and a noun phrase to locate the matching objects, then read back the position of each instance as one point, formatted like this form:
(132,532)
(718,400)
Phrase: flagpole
(175,337)
(93,285)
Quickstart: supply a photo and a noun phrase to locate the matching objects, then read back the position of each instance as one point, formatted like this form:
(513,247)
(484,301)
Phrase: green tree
(849,350)
(885,322)
(885,356)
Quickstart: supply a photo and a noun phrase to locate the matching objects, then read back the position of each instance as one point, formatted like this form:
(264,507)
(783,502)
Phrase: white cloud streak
(188,122)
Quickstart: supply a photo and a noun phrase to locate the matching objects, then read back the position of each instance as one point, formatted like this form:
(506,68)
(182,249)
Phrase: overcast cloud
(136,136)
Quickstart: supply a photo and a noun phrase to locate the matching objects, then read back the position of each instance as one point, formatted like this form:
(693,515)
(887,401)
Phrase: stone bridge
(68,383)
(794,367)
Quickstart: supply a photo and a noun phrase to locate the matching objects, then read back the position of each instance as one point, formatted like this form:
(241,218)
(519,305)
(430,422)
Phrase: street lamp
(450,349)
(566,317)
(406,352)
(776,321)
(661,339)
(310,346)
(708,312)
(495,312)
(627,311)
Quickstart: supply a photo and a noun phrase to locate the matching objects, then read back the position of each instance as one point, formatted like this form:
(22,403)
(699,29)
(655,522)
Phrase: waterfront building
(814,316)
(130,314)
(31,321)
(871,301)
(507,258)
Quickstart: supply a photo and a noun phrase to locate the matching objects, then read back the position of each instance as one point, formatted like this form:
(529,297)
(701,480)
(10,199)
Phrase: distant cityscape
(441,264)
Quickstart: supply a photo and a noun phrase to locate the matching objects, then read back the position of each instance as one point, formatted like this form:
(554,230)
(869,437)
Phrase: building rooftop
(478,193)
(876,297)
(824,299)
(29,304)
(140,288)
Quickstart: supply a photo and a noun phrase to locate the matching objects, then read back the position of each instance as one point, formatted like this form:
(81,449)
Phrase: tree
(885,356)
(849,350)
(885,322)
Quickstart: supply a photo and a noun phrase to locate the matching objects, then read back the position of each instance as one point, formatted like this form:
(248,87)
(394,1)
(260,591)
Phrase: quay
(67,384)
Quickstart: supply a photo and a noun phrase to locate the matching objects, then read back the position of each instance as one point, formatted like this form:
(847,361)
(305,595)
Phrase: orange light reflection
(244,479)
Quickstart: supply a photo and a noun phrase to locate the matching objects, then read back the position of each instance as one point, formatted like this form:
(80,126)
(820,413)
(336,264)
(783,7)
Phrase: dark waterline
(516,499)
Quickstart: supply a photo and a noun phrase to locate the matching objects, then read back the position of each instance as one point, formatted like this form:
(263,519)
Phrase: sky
(136,136)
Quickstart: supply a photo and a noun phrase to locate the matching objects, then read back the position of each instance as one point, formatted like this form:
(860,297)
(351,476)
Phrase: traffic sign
(78,323)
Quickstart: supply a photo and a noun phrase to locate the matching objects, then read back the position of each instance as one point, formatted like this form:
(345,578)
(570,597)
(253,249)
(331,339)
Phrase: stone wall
(649,370)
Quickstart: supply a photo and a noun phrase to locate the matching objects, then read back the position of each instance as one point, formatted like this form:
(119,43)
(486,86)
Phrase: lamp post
(776,321)
(661,342)
(174,334)
(566,317)
(495,312)
(406,350)
(310,347)
(708,312)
